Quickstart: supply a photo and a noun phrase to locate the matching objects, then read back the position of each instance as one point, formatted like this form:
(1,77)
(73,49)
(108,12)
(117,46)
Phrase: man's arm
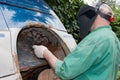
(50,58)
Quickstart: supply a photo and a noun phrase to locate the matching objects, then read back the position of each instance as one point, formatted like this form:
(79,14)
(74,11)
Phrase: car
(24,23)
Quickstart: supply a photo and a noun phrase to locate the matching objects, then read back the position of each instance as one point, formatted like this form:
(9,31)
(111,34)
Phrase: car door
(6,60)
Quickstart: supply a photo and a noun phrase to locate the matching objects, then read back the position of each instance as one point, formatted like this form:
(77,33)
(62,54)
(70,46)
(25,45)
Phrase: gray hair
(104,8)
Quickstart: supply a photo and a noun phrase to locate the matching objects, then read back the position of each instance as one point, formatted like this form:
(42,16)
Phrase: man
(97,56)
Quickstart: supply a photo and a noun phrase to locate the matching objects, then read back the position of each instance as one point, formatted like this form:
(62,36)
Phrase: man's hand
(39,50)
(43,52)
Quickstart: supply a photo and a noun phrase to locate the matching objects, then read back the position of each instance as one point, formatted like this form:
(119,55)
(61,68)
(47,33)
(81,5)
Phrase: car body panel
(19,17)
(3,25)
(6,60)
(12,77)
(33,4)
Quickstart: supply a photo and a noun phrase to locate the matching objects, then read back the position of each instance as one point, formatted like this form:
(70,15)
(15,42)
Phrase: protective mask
(85,18)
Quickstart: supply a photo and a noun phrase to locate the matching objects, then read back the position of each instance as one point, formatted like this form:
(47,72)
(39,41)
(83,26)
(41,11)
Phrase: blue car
(24,23)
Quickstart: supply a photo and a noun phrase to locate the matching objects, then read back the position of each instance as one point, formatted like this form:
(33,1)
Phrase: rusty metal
(35,34)
(48,74)
(15,57)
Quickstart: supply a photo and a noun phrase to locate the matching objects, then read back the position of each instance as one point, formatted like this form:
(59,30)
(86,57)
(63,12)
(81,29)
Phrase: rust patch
(16,62)
(48,74)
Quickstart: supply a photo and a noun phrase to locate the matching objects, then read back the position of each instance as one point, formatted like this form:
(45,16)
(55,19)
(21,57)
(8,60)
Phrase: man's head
(91,16)
(104,17)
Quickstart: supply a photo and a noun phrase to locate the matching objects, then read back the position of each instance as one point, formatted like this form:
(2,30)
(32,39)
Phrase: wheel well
(36,35)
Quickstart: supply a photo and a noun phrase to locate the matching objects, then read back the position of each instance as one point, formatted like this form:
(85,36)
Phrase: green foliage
(67,11)
(118,75)
(116,23)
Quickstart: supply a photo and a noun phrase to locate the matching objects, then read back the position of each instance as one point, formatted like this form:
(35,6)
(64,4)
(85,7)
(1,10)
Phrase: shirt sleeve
(80,60)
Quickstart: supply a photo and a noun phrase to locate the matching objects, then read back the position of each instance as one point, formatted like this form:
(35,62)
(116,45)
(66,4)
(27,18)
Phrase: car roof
(33,10)
(31,4)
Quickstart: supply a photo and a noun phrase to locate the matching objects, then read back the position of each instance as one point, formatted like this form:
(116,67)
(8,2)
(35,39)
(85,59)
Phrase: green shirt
(95,58)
